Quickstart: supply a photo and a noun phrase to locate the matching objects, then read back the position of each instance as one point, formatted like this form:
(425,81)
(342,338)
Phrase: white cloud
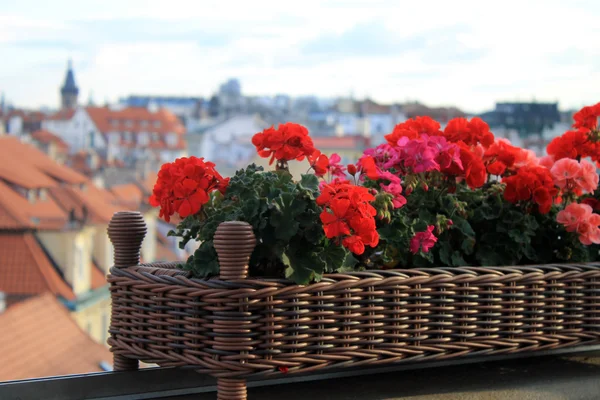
(468,53)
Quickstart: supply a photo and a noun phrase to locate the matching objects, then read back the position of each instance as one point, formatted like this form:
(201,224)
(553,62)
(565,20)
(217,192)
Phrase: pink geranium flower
(423,241)
(564,172)
(588,177)
(574,215)
(420,156)
(335,167)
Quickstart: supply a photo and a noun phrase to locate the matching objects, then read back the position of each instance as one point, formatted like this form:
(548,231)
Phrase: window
(42,194)
(143,123)
(31,196)
(114,123)
(155,137)
(157,124)
(129,123)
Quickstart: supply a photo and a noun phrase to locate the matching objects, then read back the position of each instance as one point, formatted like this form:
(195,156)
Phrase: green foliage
(285,219)
(473,227)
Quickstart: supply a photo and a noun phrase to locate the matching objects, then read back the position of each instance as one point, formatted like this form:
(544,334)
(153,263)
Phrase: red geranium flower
(531,184)
(413,129)
(183,186)
(289,141)
(470,132)
(587,117)
(348,216)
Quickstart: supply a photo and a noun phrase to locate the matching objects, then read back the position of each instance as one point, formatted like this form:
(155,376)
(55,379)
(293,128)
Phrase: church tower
(69,91)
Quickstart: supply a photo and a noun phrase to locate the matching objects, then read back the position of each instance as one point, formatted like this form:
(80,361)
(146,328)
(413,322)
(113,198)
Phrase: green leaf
(286,208)
(349,262)
(303,266)
(458,260)
(445,252)
(513,217)
(334,256)
(204,262)
(468,245)
(519,236)
(309,182)
(463,225)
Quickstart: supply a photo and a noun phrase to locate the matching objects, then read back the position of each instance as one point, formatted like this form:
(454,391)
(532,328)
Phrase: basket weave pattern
(236,327)
(253,327)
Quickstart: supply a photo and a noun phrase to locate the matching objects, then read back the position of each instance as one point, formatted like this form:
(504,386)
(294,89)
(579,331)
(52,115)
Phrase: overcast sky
(466,53)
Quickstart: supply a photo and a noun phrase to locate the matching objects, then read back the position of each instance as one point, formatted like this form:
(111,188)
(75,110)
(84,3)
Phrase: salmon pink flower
(574,215)
(588,177)
(564,172)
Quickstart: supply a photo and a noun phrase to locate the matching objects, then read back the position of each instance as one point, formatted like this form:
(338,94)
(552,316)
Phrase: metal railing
(167,383)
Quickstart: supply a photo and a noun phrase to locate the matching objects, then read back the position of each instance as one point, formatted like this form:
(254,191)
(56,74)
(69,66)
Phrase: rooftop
(40,339)
(26,270)
(45,137)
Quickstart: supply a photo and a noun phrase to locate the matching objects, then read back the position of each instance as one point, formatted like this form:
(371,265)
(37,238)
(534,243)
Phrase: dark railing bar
(157,383)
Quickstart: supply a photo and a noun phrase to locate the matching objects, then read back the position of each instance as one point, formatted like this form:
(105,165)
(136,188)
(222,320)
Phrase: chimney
(2,302)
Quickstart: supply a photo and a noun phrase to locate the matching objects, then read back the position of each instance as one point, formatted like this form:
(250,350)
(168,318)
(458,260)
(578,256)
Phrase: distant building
(186,108)
(230,97)
(127,134)
(52,145)
(524,118)
(18,122)
(69,92)
(229,143)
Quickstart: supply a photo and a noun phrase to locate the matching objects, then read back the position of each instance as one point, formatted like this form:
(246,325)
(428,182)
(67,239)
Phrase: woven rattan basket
(237,327)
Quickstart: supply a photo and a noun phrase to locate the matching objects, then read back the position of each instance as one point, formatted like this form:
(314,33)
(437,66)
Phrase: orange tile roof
(42,214)
(11,218)
(99,203)
(26,270)
(128,194)
(62,115)
(35,170)
(135,119)
(44,137)
(39,338)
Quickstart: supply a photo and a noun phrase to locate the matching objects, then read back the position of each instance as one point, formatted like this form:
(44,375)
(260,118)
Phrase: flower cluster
(587,118)
(183,186)
(288,142)
(414,128)
(472,132)
(573,176)
(503,158)
(348,215)
(426,197)
(581,219)
(531,184)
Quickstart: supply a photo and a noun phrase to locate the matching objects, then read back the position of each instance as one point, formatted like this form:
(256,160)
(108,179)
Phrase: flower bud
(352,169)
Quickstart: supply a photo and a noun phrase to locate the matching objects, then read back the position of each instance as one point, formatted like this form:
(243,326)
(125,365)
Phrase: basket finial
(126,231)
(234,242)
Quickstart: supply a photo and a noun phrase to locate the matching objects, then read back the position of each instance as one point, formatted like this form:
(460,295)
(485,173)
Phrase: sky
(464,53)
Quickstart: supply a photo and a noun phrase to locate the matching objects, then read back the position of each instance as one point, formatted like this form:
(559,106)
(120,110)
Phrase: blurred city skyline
(465,53)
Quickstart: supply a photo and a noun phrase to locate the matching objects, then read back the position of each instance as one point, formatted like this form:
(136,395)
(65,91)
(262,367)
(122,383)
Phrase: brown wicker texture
(234,329)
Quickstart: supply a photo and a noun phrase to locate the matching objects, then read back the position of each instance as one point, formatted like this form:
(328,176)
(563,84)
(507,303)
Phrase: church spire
(69,91)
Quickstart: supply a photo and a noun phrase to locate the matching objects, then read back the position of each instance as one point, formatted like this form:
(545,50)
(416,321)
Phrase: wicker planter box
(235,327)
